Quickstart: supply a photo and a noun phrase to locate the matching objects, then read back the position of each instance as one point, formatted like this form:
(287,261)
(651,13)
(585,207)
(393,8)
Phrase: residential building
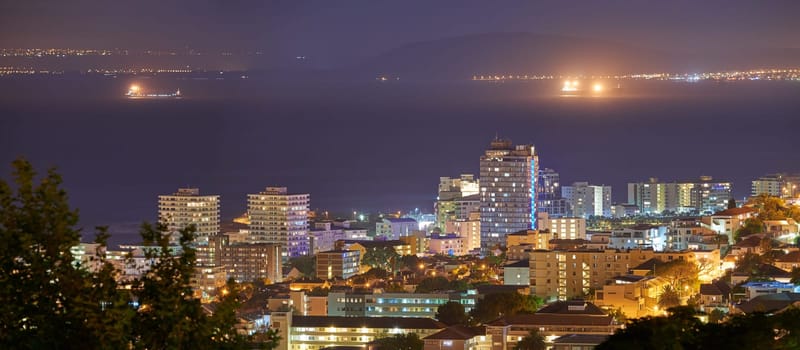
(563,227)
(317,332)
(619,211)
(776,185)
(247,262)
(572,273)
(508,191)
(323,236)
(552,321)
(394,228)
(704,196)
(187,207)
(636,296)
(395,304)
(537,239)
(337,264)
(549,199)
(457,197)
(458,338)
(517,273)
(280,217)
(642,236)
(588,200)
(449,244)
(728,221)
(470,229)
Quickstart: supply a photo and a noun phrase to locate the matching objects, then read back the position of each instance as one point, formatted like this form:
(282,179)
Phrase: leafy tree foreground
(49,302)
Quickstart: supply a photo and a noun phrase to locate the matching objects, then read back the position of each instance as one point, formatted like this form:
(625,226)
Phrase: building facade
(563,227)
(703,196)
(278,217)
(549,199)
(394,228)
(588,200)
(508,191)
(337,264)
(187,207)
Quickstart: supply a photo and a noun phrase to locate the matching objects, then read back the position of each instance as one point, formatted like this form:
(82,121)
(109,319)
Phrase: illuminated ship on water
(135,91)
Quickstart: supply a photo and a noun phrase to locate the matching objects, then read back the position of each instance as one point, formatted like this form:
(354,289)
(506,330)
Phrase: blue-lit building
(508,189)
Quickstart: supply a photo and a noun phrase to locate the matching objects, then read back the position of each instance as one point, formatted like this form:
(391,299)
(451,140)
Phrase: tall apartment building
(702,195)
(279,217)
(456,198)
(187,207)
(244,262)
(588,200)
(778,185)
(549,199)
(508,191)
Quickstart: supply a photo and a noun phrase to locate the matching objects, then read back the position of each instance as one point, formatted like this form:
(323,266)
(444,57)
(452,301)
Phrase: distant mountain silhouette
(526,53)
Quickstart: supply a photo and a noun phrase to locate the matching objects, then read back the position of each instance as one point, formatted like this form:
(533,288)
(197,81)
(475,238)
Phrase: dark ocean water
(378,146)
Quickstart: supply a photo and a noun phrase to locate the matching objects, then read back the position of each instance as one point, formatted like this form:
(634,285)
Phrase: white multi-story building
(323,236)
(777,185)
(563,228)
(588,200)
(639,237)
(279,217)
(508,184)
(450,244)
(187,207)
(394,228)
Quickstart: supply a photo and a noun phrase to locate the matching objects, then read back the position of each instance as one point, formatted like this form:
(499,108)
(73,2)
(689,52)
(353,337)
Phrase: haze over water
(377,146)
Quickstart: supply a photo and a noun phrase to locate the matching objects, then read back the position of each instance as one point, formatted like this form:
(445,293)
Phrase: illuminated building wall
(396,304)
(337,264)
(318,332)
(187,207)
(279,217)
(588,200)
(508,191)
(565,274)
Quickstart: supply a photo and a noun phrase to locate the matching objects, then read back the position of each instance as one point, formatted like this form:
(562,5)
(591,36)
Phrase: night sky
(336,32)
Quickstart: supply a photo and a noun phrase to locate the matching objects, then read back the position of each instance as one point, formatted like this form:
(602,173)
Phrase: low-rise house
(716,293)
(458,338)
(769,303)
(753,290)
(552,321)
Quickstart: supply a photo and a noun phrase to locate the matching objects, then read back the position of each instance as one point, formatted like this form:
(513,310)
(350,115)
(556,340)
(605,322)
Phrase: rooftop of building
(769,302)
(792,256)
(367,322)
(715,288)
(581,339)
(521,263)
(400,220)
(750,241)
(573,312)
(649,265)
(337,251)
(457,332)
(766,270)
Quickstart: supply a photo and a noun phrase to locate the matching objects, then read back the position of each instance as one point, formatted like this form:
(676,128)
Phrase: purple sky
(334,32)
